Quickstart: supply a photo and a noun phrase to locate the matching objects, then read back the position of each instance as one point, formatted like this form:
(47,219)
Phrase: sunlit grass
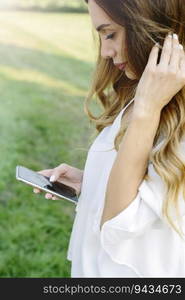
(46,61)
(41,79)
(56,33)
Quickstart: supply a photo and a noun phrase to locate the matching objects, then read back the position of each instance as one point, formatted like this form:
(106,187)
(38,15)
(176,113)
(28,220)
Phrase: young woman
(131,211)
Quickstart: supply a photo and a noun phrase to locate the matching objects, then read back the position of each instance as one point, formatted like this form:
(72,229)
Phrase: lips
(122,66)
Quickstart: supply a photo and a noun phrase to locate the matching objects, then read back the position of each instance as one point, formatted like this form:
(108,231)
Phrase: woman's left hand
(160,82)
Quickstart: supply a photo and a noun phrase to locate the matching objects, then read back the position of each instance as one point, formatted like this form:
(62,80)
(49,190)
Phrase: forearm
(130,164)
(82,173)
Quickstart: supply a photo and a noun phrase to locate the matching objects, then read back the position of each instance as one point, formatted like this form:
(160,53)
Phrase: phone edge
(43,189)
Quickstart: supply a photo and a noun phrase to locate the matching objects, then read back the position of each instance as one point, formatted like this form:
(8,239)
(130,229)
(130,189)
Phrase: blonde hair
(146,22)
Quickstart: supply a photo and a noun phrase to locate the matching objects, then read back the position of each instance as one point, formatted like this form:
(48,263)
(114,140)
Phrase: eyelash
(110,36)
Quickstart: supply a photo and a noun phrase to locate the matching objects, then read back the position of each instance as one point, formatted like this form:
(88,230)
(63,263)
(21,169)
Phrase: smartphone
(42,182)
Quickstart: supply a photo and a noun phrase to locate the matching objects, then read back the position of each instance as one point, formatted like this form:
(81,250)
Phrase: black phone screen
(42,181)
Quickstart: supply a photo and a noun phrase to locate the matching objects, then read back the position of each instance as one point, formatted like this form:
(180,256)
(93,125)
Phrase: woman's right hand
(162,80)
(65,174)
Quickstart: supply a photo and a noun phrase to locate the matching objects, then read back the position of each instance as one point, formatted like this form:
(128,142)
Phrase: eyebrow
(100,27)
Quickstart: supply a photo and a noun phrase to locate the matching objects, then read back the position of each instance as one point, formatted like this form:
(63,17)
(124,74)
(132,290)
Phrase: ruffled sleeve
(139,235)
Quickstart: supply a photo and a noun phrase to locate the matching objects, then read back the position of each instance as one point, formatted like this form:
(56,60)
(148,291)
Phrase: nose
(107,53)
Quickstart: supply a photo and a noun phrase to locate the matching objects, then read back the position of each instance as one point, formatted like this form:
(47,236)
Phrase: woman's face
(112,36)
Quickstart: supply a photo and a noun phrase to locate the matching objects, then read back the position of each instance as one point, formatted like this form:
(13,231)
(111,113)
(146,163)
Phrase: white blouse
(138,242)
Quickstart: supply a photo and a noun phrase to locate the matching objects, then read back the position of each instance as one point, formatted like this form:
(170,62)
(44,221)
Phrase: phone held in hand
(42,182)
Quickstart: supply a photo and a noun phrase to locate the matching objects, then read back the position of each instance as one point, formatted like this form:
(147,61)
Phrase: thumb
(58,171)
(47,172)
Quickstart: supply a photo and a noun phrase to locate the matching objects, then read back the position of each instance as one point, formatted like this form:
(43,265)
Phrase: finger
(182,59)
(55,198)
(152,61)
(36,191)
(48,196)
(47,172)
(58,171)
(176,53)
(166,51)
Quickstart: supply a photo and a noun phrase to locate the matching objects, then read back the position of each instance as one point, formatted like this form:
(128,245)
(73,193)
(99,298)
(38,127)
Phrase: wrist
(142,109)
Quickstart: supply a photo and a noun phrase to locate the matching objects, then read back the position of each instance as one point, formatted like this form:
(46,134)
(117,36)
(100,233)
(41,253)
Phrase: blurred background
(46,62)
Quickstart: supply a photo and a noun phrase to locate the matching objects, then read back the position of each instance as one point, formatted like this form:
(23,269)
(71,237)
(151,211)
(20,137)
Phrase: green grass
(46,61)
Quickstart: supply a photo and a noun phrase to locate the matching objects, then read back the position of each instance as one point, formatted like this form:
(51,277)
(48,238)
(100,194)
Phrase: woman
(131,210)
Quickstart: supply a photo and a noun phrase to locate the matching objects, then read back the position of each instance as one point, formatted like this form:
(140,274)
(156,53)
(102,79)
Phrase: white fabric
(136,243)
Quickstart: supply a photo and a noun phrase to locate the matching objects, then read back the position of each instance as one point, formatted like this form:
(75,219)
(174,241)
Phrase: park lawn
(46,62)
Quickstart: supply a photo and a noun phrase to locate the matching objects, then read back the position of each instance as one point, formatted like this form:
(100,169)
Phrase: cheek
(123,45)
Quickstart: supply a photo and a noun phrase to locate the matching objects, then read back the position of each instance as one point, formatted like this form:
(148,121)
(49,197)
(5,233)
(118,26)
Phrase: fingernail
(48,196)
(181,47)
(175,36)
(52,178)
(157,45)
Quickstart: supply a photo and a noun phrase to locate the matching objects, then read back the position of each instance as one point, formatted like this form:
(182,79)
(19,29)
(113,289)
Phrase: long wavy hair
(146,22)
